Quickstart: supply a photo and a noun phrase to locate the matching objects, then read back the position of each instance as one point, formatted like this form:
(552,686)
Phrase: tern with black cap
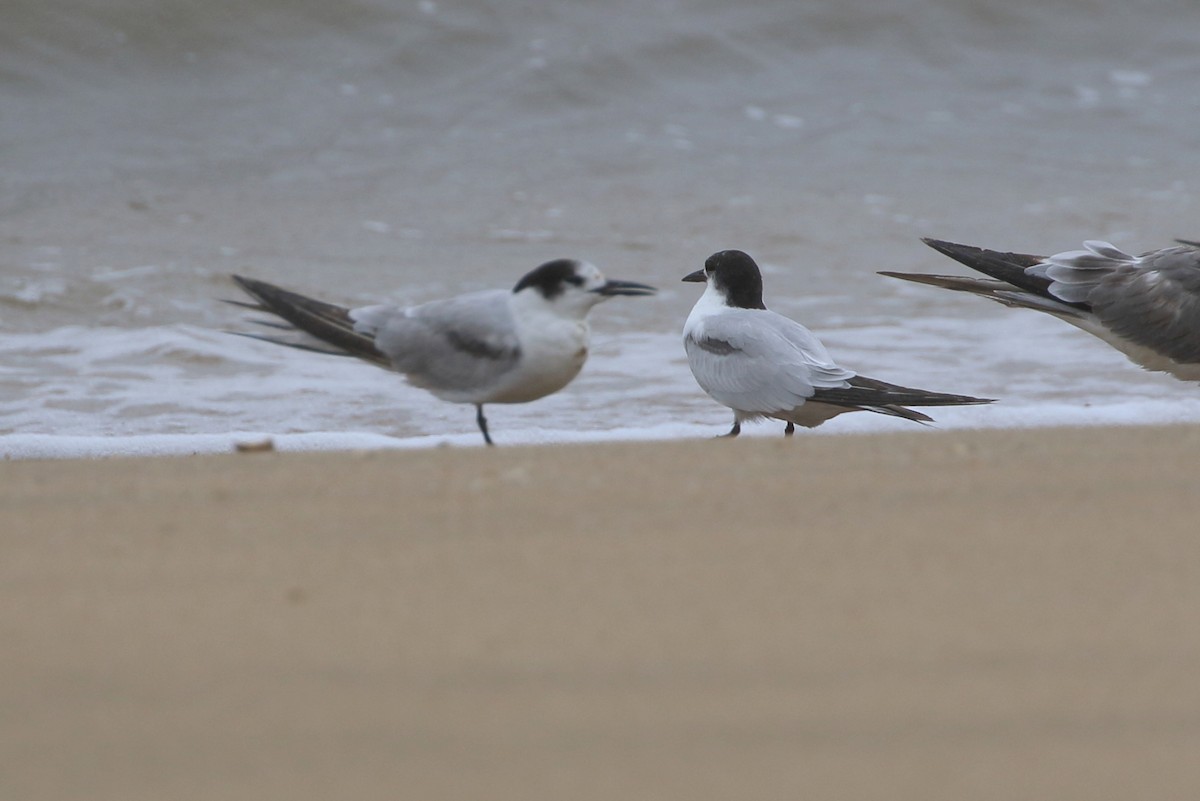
(763,365)
(493,346)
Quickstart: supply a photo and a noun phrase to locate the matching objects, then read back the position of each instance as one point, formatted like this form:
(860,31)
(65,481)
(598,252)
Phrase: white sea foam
(75,392)
(56,446)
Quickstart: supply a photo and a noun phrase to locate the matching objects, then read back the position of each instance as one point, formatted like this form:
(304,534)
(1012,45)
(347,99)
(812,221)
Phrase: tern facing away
(762,364)
(1147,307)
(492,346)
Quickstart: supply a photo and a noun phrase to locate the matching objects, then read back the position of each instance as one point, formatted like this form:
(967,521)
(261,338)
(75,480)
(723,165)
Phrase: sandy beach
(978,615)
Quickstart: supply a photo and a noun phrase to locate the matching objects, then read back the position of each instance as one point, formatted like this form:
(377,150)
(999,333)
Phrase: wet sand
(963,615)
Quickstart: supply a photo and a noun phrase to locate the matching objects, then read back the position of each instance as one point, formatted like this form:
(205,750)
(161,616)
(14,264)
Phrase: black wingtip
(1009,267)
(933,243)
(325,321)
(952,249)
(251,286)
(242,304)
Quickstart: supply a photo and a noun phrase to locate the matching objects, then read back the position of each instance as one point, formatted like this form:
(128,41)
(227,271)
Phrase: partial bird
(493,346)
(1147,306)
(763,365)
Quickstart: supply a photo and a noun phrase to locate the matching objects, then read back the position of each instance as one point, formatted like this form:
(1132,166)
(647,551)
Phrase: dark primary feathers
(880,396)
(1147,307)
(1006,267)
(324,321)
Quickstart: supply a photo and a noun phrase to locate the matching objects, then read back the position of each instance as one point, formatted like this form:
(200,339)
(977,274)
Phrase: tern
(1147,306)
(493,346)
(764,365)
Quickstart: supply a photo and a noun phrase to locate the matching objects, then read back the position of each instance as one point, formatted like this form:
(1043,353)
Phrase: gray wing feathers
(1156,304)
(457,344)
(1076,273)
(762,364)
(1152,300)
(450,345)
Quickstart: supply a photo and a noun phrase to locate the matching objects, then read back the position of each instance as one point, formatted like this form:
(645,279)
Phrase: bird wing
(759,361)
(1017,270)
(1151,300)
(1014,279)
(307,316)
(874,394)
(459,344)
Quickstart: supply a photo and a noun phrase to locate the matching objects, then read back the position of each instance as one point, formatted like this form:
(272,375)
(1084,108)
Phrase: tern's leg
(733,432)
(791,429)
(479,418)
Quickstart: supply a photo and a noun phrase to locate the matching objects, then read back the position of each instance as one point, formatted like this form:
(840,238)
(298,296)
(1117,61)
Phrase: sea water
(380,151)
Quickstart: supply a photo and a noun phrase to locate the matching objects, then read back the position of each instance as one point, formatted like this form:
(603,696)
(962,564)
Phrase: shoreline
(18,447)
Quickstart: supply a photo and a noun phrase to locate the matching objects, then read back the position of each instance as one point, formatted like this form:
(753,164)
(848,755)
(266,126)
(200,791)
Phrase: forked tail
(892,399)
(325,321)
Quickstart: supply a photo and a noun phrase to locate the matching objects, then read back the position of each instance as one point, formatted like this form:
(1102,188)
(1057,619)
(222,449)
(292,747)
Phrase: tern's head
(575,285)
(733,276)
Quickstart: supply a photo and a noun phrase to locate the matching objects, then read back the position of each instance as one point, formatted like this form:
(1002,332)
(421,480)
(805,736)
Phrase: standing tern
(492,346)
(762,364)
(1147,307)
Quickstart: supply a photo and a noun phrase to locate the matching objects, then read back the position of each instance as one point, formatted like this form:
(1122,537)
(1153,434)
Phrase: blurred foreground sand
(963,615)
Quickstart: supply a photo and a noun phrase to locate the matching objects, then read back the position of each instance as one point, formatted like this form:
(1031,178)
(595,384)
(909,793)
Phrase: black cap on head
(737,277)
(551,278)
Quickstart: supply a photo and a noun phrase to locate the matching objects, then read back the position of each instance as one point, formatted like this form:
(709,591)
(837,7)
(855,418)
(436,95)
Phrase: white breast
(553,351)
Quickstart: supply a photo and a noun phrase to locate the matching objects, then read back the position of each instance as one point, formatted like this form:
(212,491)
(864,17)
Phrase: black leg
(791,429)
(479,418)
(733,432)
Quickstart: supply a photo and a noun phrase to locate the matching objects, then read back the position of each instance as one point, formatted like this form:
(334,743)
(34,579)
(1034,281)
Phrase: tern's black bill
(624,288)
(696,277)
